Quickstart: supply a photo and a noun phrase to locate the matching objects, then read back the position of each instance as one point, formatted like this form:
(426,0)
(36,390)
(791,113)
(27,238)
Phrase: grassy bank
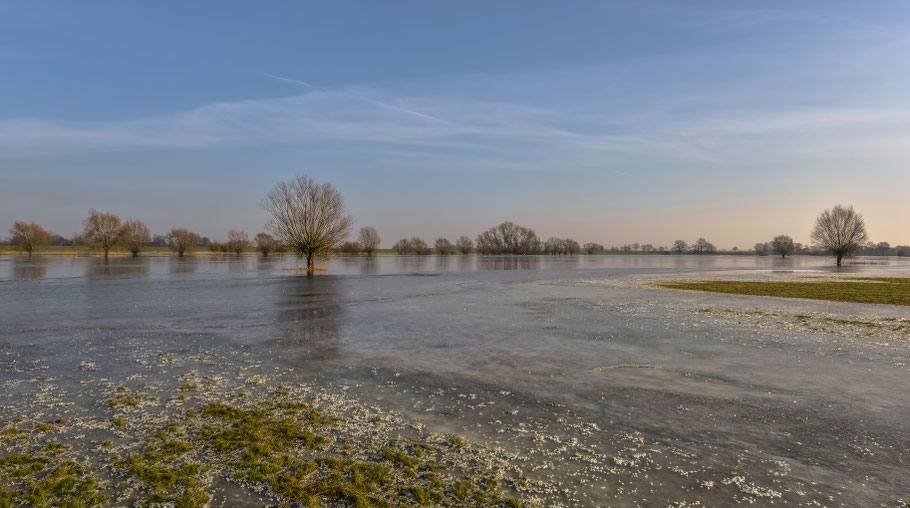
(879,290)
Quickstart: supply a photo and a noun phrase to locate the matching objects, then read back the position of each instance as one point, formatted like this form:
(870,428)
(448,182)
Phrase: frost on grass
(168,444)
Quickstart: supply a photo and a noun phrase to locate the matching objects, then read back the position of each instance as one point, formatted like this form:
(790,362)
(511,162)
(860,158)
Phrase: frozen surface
(609,392)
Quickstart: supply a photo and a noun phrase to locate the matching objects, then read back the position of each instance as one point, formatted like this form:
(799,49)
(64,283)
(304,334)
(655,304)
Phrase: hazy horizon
(629,122)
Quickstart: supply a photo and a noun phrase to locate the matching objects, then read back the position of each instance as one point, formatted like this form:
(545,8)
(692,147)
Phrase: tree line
(107,232)
(310,220)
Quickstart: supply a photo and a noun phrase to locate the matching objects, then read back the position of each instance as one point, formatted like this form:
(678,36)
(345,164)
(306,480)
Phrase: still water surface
(618,393)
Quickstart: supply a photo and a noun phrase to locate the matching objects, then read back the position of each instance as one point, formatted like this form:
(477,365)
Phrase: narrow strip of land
(878,290)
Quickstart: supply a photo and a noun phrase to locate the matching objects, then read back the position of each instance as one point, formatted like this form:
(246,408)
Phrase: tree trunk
(310,263)
(839,257)
(105,253)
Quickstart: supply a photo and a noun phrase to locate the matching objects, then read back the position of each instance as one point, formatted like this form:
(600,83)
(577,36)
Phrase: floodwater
(607,392)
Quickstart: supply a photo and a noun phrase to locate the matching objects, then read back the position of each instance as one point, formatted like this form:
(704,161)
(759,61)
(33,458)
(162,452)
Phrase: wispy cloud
(495,133)
(290,81)
(317,116)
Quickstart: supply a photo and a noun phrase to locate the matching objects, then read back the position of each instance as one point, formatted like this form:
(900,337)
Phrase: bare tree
(840,231)
(28,236)
(307,217)
(350,248)
(369,240)
(464,244)
(443,246)
(420,247)
(102,230)
(266,243)
(182,240)
(403,247)
(560,246)
(702,246)
(237,241)
(134,235)
(782,245)
(593,248)
(680,246)
(508,238)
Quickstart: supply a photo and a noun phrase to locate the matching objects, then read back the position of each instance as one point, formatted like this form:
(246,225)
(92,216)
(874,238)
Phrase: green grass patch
(125,397)
(875,290)
(37,480)
(276,445)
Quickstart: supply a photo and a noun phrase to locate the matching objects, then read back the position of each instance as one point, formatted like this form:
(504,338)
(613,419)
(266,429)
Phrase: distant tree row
(310,220)
(700,246)
(105,231)
(506,238)
(781,245)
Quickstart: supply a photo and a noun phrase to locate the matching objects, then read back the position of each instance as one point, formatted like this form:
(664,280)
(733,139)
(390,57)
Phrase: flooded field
(551,381)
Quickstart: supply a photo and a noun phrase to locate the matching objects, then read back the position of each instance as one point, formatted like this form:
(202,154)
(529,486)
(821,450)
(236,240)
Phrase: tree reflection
(31,267)
(369,265)
(443,262)
(308,319)
(181,264)
(508,262)
(101,267)
(412,263)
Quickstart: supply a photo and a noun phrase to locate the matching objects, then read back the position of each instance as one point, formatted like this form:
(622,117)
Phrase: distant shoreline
(157,251)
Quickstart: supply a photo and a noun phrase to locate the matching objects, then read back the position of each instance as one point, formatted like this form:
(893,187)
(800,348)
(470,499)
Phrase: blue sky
(612,122)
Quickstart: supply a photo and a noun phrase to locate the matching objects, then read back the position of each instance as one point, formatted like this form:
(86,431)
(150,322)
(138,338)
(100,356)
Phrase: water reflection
(369,265)
(412,263)
(39,267)
(509,262)
(29,267)
(99,267)
(237,264)
(443,263)
(308,317)
(180,265)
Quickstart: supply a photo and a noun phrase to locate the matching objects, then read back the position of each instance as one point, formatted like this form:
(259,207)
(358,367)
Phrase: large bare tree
(782,245)
(28,236)
(237,241)
(369,240)
(680,246)
(134,235)
(840,231)
(102,230)
(307,217)
(182,240)
(508,238)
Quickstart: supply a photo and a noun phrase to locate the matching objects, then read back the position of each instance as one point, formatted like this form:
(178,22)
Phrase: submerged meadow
(450,380)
